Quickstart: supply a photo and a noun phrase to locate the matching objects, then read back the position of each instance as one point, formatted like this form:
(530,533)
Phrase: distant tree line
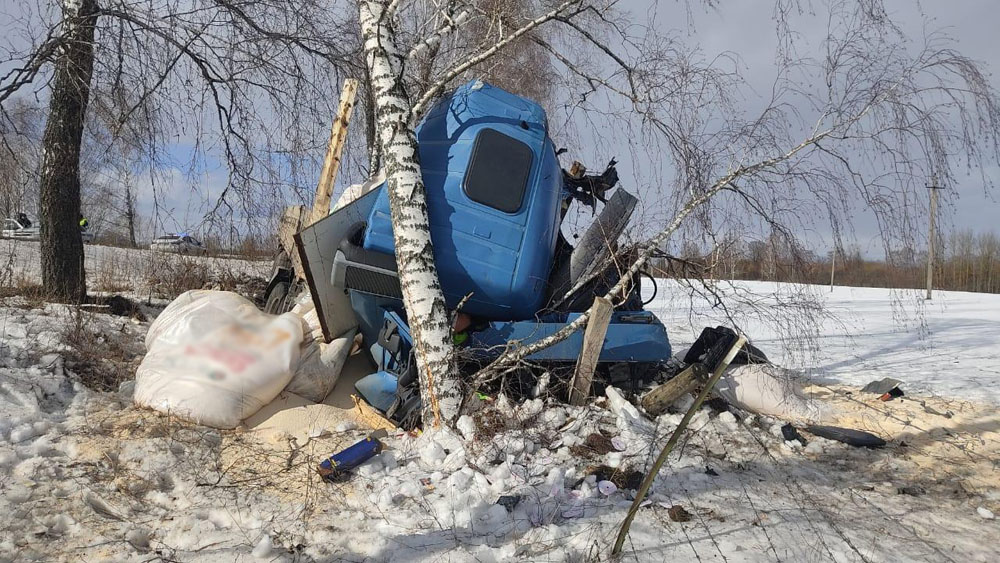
(966,261)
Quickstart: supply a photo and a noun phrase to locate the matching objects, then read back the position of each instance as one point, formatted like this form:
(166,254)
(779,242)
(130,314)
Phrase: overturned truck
(496,198)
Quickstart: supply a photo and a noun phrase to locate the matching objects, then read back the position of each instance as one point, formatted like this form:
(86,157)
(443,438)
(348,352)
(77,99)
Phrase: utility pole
(932,235)
(833,265)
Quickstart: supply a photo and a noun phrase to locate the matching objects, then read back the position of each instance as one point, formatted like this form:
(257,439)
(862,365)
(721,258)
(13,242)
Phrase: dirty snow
(86,476)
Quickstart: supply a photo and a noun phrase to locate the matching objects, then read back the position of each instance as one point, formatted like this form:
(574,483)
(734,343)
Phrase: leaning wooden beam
(334,149)
(593,343)
(661,397)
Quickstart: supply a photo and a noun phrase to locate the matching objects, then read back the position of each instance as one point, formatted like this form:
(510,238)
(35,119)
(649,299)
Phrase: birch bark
(422,296)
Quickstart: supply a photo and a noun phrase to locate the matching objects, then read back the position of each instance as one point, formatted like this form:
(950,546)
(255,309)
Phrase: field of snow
(136,271)
(949,346)
(86,476)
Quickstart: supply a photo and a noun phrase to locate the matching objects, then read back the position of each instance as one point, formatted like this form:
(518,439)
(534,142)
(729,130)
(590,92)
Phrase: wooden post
(661,397)
(593,343)
(833,266)
(331,164)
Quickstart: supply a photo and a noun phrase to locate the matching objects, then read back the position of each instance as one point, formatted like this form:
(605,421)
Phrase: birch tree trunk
(61,244)
(422,296)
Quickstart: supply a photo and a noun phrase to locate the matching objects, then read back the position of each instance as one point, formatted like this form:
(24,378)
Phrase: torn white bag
(769,390)
(213,358)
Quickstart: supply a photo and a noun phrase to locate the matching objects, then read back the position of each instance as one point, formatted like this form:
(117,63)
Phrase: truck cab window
(498,171)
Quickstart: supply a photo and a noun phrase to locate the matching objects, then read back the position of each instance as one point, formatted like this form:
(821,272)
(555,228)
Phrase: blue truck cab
(494,188)
(496,196)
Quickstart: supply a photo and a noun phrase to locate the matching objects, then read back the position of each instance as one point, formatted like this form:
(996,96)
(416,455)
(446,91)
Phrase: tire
(277,300)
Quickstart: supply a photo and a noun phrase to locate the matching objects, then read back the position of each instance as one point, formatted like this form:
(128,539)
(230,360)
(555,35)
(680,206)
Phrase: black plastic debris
(709,340)
(790,433)
(911,490)
(848,436)
(509,501)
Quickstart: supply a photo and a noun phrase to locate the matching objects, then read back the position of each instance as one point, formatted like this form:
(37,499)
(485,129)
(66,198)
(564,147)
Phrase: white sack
(215,359)
(767,389)
(319,367)
(320,364)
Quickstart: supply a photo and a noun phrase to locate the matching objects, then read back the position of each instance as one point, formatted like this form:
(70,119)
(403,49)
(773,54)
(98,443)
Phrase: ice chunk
(432,453)
(467,426)
(263,548)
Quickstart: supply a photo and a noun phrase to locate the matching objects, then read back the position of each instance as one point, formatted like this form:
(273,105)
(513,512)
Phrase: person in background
(83,223)
(23,220)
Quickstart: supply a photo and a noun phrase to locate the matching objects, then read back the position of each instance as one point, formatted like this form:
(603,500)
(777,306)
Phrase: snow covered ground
(136,271)
(949,346)
(85,476)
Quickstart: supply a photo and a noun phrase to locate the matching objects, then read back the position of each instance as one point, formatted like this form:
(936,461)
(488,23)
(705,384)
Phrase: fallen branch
(648,481)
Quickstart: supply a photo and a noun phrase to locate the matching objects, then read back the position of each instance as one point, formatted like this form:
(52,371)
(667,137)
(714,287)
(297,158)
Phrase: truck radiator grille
(375,283)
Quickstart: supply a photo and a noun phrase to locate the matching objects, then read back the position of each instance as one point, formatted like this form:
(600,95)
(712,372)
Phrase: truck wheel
(277,301)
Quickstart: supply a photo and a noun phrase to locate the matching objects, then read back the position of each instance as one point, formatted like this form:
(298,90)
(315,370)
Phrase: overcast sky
(746,27)
(743,27)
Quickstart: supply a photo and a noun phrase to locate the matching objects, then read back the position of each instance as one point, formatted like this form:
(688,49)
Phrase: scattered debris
(985,513)
(619,444)
(887,388)
(677,513)
(881,386)
(789,433)
(932,410)
(340,465)
(709,339)
(509,502)
(600,443)
(894,393)
(912,490)
(621,478)
(848,436)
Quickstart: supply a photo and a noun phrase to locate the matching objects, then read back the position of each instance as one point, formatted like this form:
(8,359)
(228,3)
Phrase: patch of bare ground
(104,355)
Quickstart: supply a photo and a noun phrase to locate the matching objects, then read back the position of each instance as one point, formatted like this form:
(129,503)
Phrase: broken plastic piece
(891,394)
(509,501)
(788,432)
(882,386)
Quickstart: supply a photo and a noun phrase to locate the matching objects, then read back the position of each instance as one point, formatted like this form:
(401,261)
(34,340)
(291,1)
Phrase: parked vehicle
(496,197)
(178,244)
(20,228)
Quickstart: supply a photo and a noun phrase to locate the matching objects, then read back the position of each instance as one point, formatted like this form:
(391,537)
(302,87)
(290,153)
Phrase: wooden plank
(334,149)
(590,352)
(661,397)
